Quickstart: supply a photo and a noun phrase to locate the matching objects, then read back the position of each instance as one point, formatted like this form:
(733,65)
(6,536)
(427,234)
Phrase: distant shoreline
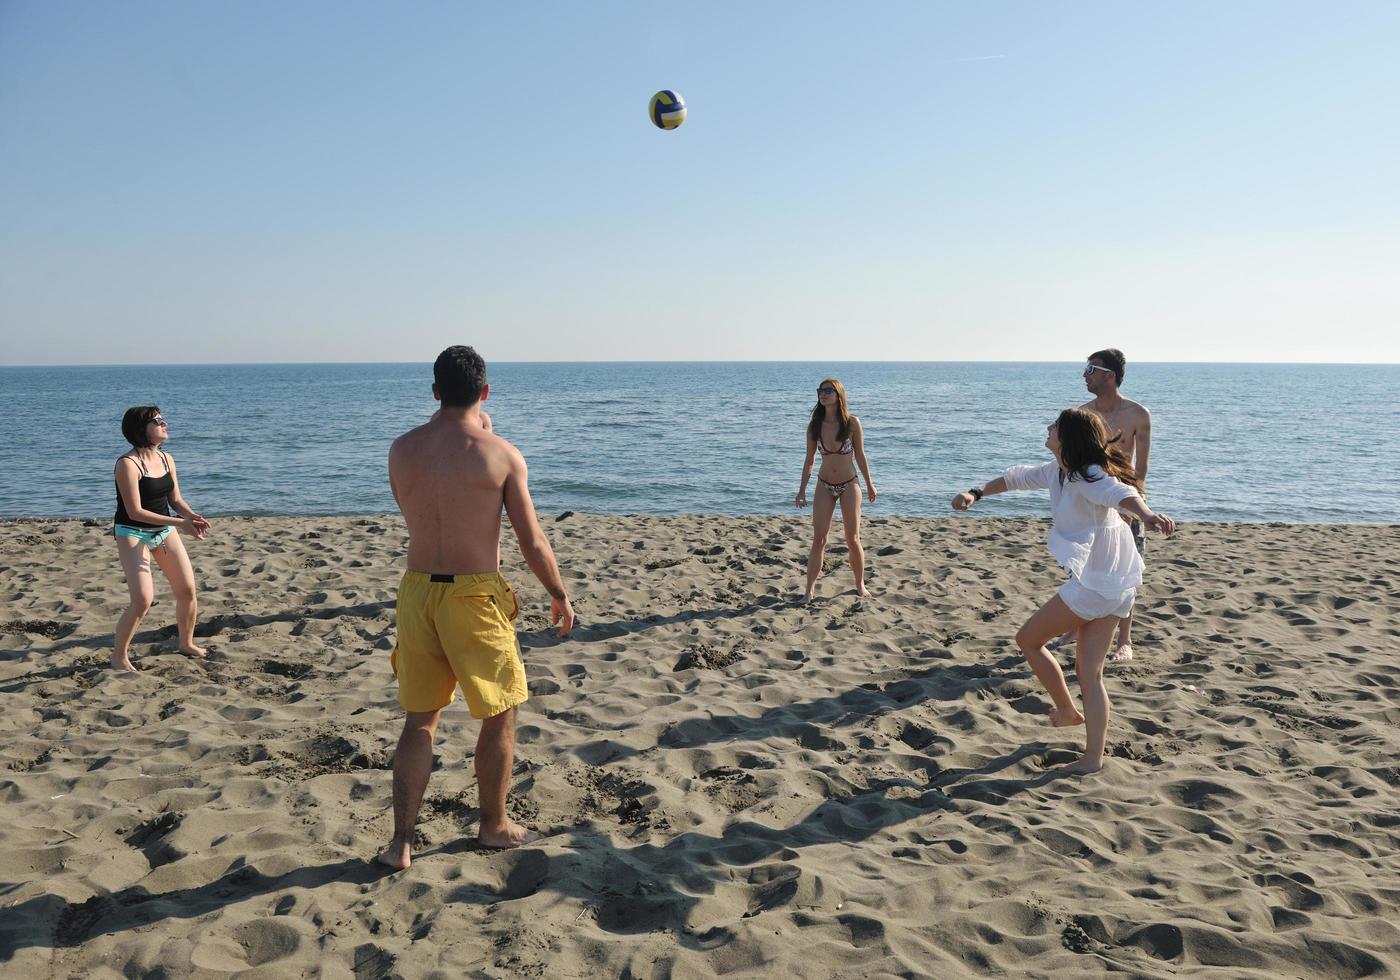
(849,360)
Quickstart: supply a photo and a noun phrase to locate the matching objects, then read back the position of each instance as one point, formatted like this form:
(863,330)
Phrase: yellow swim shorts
(457,630)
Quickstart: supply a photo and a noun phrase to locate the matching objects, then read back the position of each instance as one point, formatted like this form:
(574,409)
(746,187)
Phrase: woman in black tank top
(150,511)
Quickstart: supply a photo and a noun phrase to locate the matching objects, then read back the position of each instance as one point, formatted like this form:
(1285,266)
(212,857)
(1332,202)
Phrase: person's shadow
(592,631)
(812,722)
(628,890)
(635,890)
(49,921)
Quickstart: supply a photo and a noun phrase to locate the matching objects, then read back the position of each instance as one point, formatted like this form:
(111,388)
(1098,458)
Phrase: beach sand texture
(735,785)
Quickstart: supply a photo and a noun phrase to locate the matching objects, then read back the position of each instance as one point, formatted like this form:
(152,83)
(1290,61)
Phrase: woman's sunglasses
(158,421)
(826,390)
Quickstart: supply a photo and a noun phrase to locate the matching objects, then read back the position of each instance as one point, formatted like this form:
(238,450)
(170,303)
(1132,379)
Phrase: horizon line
(152,364)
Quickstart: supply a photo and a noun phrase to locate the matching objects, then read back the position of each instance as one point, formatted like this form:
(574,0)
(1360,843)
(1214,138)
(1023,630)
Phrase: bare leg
(850,522)
(136,563)
(1125,625)
(174,561)
(823,506)
(1049,621)
(1125,640)
(413,764)
(495,757)
(1094,641)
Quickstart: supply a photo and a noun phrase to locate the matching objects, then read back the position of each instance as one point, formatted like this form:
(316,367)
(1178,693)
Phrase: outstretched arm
(965,500)
(534,546)
(1108,491)
(1136,506)
(1015,478)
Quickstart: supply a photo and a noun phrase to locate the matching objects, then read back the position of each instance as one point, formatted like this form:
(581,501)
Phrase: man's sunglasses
(1091,368)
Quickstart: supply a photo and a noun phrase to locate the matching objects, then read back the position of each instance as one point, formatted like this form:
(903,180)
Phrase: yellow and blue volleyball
(667,109)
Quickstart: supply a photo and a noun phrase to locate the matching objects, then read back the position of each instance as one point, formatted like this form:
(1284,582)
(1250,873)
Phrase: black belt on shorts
(442,578)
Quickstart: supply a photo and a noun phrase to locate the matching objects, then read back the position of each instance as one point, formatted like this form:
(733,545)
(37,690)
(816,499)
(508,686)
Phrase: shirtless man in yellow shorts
(455,612)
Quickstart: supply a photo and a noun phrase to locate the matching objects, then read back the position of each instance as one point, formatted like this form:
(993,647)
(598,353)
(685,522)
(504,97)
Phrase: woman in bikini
(147,493)
(1089,480)
(837,435)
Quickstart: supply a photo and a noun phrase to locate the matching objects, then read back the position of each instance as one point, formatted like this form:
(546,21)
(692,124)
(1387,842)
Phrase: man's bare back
(450,478)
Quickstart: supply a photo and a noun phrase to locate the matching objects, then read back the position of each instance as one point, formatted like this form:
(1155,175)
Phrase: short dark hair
(134,424)
(460,374)
(1112,359)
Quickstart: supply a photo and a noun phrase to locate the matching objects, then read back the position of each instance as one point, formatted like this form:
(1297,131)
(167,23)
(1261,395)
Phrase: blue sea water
(1231,442)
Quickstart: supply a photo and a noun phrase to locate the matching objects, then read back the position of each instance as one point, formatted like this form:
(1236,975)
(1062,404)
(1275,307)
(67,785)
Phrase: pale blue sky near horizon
(925,181)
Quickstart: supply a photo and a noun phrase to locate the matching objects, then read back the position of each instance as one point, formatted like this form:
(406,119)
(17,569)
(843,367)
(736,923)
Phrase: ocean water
(1231,442)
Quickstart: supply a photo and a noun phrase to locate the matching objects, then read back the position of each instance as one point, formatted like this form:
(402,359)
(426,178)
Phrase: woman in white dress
(1089,482)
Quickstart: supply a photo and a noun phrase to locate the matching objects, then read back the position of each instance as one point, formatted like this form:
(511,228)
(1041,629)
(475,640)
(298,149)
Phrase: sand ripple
(733,783)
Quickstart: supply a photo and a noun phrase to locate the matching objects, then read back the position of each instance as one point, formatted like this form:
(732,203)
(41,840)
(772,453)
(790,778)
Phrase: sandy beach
(732,784)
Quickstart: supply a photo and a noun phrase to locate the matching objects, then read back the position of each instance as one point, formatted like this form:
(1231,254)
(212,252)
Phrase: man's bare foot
(396,856)
(1081,767)
(863,592)
(511,835)
(1062,641)
(1122,654)
(806,598)
(199,653)
(122,662)
(1065,719)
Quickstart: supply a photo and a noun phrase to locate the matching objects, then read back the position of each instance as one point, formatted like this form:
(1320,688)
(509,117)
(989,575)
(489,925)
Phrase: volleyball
(667,109)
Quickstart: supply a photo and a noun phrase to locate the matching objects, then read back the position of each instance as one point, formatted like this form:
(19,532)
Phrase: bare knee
(184,593)
(421,721)
(1027,641)
(498,730)
(141,604)
(819,542)
(499,723)
(853,542)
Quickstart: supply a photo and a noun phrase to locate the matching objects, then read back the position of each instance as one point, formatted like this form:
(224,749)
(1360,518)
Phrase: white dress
(1089,539)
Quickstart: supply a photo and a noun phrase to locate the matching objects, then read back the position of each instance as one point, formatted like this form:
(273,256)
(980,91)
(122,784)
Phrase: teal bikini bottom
(151,537)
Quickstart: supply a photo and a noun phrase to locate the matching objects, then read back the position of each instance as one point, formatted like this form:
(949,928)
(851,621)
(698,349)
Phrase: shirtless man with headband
(450,478)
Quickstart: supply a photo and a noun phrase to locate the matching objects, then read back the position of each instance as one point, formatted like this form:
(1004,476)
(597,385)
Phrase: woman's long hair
(843,415)
(1085,442)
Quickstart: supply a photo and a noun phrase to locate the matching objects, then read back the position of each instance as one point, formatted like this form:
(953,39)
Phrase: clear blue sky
(259,181)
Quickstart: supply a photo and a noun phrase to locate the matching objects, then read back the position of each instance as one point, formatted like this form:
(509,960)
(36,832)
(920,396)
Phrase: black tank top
(154,491)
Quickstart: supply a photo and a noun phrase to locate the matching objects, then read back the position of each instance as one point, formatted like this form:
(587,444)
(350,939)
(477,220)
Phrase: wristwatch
(976,494)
